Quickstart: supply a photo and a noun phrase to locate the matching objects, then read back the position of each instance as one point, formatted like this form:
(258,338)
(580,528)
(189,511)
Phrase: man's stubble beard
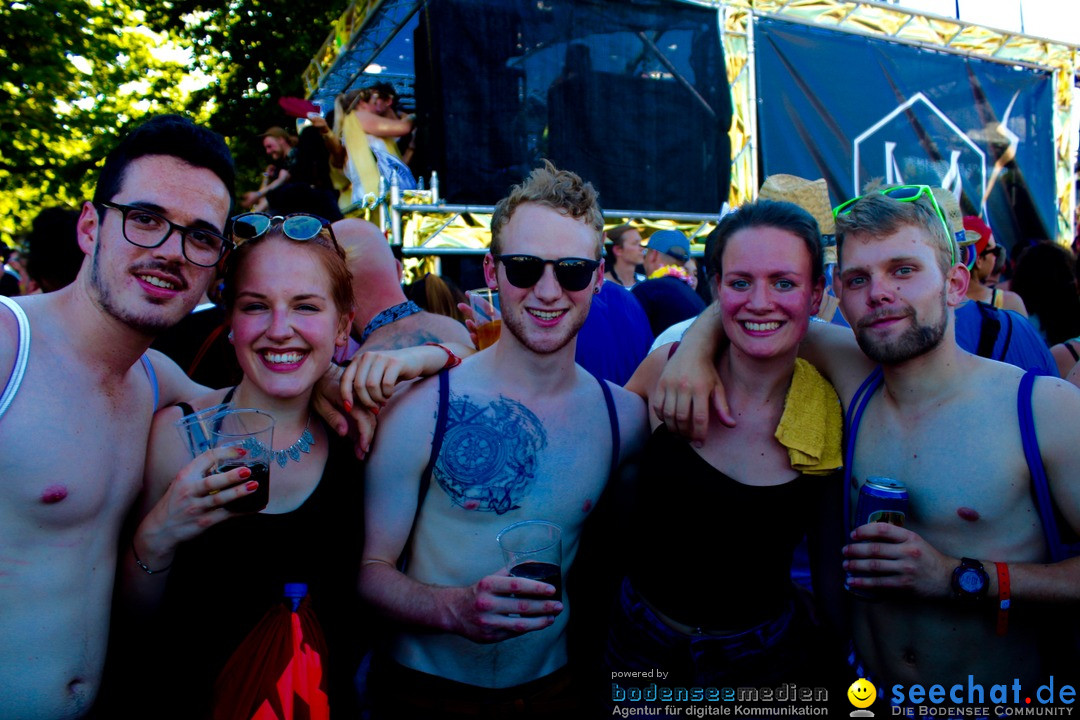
(917,340)
(107,302)
(516,326)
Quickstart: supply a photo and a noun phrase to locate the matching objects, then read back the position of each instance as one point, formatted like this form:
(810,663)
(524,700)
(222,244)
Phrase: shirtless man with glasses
(78,401)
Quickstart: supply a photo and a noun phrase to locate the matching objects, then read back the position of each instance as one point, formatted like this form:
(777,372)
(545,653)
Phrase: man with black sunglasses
(517,432)
(974,586)
(77,403)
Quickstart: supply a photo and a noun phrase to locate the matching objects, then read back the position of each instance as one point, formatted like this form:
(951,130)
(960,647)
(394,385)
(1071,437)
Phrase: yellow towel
(811,427)
(359,152)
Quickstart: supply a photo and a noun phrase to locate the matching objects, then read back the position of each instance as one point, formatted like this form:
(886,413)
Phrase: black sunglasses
(297,226)
(524,271)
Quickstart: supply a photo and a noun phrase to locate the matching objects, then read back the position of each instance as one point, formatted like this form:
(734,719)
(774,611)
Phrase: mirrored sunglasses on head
(906,193)
(524,271)
(295,226)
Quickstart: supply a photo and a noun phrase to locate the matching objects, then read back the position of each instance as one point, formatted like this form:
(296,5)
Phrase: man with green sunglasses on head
(517,432)
(966,587)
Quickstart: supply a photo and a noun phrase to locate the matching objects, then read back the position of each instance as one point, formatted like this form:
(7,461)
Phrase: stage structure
(674,107)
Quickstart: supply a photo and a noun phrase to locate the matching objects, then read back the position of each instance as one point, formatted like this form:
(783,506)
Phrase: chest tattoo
(490,454)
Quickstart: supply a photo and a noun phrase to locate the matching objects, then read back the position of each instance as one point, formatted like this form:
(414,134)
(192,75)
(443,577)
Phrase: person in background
(627,254)
(986,255)
(384,318)
(666,296)
(53,257)
(1045,279)
(437,294)
(278,144)
(13,278)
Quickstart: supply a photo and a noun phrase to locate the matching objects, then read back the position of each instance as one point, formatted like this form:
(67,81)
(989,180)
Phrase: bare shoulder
(643,382)
(1012,301)
(1056,410)
(1056,402)
(407,422)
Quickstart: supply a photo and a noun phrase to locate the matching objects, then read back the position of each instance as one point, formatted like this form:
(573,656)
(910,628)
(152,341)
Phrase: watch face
(970,582)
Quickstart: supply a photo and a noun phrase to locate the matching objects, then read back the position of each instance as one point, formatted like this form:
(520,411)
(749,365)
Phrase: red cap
(973,226)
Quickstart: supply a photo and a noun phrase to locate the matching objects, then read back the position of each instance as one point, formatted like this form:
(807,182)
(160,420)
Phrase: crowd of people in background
(679,415)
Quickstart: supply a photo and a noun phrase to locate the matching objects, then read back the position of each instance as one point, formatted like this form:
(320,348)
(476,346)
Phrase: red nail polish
(240,452)
(348,406)
(251,486)
(244,472)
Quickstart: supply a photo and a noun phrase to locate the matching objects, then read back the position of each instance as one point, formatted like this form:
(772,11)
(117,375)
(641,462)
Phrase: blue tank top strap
(437,440)
(613,420)
(858,404)
(149,368)
(1040,487)
(22,354)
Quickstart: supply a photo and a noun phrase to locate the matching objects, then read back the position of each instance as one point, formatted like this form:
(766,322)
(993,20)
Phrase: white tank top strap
(21,356)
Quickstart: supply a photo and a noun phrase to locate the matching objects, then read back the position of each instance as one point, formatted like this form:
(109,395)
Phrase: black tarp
(912,115)
(630,94)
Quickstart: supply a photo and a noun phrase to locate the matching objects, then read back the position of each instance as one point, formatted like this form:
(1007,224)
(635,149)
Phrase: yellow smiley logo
(862,693)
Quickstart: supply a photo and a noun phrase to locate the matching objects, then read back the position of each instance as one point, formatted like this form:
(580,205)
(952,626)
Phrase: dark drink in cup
(256,501)
(542,571)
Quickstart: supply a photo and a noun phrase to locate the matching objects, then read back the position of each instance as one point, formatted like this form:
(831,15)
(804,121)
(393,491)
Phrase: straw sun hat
(811,195)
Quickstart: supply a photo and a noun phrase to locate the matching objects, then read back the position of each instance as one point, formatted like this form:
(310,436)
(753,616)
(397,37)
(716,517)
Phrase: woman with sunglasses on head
(213,574)
(708,595)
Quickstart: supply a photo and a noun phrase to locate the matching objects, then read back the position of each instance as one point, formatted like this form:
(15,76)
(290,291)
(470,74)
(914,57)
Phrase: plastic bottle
(294,593)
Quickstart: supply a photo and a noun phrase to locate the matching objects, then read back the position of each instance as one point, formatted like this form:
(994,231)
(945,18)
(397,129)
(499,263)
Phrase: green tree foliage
(257,50)
(75,74)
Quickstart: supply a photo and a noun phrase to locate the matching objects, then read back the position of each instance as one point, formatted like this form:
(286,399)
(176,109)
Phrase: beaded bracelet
(146,568)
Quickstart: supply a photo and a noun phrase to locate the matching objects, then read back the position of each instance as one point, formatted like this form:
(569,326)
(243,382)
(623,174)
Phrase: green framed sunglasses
(906,193)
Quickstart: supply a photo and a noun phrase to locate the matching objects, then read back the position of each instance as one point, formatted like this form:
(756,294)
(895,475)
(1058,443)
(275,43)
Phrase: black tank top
(714,553)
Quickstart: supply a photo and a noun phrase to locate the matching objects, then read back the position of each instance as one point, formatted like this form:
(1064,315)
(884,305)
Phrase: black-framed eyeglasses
(147,229)
(907,193)
(997,251)
(301,227)
(524,271)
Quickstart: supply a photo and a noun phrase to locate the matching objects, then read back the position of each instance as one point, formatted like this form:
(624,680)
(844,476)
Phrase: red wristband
(1004,598)
(452,360)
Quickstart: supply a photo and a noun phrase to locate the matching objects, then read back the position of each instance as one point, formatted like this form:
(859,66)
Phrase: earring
(231,337)
(596,290)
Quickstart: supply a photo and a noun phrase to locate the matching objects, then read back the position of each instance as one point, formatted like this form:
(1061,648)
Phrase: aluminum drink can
(882,499)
